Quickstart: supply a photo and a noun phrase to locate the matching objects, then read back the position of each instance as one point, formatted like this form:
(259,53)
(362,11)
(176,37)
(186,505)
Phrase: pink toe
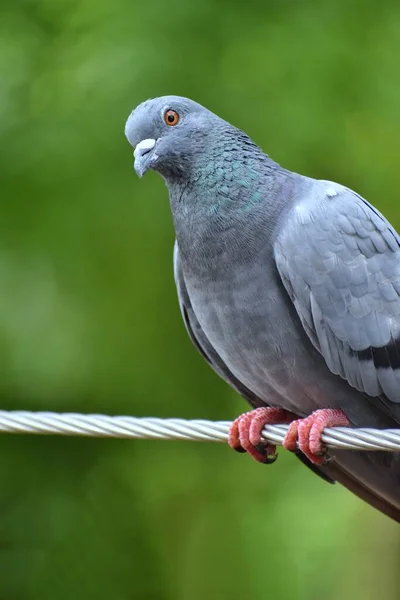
(233,436)
(290,439)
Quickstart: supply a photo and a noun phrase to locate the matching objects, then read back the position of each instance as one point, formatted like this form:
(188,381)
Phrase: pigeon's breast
(247,318)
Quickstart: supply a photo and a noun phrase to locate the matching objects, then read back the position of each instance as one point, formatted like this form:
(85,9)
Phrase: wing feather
(339,260)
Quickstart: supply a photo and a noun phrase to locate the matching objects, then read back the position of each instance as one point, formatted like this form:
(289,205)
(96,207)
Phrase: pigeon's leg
(305,434)
(245,432)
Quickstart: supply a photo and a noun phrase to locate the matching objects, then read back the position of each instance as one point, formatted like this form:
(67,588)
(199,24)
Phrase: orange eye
(171,117)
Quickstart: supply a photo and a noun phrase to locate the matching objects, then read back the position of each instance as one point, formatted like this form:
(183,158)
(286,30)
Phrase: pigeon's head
(169,134)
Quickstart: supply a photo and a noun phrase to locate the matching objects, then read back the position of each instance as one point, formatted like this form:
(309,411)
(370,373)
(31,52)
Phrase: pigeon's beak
(144,157)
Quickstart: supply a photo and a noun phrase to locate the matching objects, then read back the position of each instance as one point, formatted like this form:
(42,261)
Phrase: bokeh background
(89,320)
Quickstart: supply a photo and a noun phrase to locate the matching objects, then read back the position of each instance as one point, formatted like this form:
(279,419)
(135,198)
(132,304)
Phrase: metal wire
(48,423)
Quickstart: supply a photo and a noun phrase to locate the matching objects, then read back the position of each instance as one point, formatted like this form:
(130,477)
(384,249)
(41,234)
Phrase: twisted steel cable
(71,424)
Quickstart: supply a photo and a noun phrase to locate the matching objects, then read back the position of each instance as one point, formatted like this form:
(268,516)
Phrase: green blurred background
(89,320)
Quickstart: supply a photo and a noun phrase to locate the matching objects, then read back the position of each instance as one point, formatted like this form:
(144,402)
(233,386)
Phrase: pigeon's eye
(171,117)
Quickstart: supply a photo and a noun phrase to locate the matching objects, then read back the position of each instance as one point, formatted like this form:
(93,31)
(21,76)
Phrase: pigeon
(288,286)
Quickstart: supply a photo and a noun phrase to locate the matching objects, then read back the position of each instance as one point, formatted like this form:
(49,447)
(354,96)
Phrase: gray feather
(199,339)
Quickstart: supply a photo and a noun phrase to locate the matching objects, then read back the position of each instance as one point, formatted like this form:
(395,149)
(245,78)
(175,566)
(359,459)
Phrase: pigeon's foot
(305,434)
(245,432)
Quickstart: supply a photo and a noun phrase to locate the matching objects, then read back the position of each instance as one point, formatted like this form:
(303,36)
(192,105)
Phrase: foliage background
(88,316)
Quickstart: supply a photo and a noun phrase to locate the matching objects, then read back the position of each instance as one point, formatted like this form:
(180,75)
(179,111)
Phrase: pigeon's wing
(203,345)
(339,260)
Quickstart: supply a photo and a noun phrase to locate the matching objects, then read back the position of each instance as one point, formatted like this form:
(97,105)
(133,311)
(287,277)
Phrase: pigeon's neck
(228,203)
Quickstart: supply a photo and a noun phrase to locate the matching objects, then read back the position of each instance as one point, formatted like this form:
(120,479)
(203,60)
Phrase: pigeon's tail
(372,476)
